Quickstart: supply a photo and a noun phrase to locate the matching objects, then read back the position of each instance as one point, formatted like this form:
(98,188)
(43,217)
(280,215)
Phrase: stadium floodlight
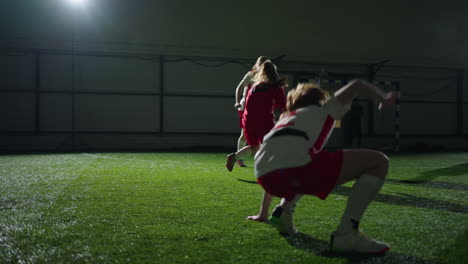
(77,2)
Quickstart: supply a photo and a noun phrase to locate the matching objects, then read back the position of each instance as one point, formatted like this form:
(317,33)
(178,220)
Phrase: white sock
(363,192)
(289,206)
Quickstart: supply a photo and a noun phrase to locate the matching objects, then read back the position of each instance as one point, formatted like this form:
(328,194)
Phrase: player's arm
(264,208)
(362,89)
(240,89)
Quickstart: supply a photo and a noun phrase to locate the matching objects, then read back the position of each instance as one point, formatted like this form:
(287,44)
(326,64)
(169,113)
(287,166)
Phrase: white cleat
(357,242)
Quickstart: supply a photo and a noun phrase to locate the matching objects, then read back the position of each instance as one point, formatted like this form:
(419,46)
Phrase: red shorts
(317,177)
(240,113)
(255,132)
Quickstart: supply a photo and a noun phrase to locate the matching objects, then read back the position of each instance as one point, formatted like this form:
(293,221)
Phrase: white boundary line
(184,162)
(114,158)
(98,156)
(418,167)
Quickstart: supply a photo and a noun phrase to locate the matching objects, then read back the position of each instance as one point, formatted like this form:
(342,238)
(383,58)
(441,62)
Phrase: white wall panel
(384,120)
(17,72)
(56,112)
(428,119)
(117,113)
(465,89)
(17,111)
(423,84)
(187,77)
(429,90)
(465,117)
(196,114)
(105,74)
(56,72)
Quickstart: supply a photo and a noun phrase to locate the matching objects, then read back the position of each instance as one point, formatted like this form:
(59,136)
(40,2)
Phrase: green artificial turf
(186,208)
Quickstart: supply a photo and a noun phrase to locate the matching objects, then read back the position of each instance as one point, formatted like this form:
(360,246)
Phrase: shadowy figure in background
(353,126)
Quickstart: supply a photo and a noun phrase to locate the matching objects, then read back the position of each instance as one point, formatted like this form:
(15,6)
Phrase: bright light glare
(77,2)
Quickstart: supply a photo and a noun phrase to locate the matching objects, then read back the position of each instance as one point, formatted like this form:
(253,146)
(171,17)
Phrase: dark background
(149,75)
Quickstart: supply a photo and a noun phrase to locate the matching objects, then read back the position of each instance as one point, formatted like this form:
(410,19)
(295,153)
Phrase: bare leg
(245,151)
(241,141)
(240,154)
(362,161)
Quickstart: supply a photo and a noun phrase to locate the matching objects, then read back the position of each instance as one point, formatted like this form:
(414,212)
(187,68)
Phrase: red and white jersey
(262,99)
(296,138)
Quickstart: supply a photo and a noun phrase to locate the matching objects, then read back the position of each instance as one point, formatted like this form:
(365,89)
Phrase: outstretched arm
(240,89)
(362,89)
(264,208)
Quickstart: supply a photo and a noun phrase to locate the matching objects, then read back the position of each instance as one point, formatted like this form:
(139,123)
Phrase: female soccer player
(241,93)
(265,96)
(291,162)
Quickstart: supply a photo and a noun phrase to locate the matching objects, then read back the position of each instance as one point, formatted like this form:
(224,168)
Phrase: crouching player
(291,162)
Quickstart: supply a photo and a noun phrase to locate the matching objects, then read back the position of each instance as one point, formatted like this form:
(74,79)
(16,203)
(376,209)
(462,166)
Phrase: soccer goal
(377,123)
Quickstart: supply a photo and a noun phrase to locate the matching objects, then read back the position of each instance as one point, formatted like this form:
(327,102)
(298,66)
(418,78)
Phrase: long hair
(303,95)
(269,74)
(258,63)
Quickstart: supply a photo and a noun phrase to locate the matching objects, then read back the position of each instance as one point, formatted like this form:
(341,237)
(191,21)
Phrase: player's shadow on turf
(426,178)
(410,200)
(456,170)
(320,247)
(253,182)
(432,184)
(407,199)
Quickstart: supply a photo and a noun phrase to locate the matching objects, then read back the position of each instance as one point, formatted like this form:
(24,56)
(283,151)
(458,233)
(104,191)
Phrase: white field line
(185,162)
(167,161)
(419,167)
(99,156)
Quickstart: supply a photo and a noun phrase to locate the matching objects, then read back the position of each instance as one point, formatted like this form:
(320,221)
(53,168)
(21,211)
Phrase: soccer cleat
(230,161)
(357,242)
(282,221)
(241,163)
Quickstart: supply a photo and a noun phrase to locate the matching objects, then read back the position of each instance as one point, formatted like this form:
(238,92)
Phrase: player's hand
(237,106)
(389,99)
(257,218)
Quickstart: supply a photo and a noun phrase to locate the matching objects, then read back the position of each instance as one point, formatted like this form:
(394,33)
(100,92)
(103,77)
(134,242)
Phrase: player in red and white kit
(291,162)
(265,96)
(241,94)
